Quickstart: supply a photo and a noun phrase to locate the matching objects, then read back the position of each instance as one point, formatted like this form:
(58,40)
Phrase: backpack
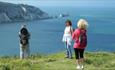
(24,36)
(24,33)
(82,38)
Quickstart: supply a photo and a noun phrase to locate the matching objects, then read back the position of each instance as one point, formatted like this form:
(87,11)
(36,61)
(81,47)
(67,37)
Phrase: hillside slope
(94,61)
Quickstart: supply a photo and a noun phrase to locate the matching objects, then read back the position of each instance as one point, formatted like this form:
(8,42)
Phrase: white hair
(82,24)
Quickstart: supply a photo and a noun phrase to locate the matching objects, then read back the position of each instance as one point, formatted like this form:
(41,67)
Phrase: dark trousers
(79,53)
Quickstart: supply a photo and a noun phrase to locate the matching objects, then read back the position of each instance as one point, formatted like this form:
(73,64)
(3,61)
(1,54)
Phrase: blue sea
(46,35)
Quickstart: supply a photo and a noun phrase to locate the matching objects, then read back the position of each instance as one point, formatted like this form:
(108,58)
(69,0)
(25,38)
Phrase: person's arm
(72,30)
(75,35)
(19,35)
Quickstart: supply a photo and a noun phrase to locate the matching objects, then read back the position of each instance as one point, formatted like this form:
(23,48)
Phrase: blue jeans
(68,51)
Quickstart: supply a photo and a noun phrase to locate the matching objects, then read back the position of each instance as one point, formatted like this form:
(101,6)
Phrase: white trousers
(24,51)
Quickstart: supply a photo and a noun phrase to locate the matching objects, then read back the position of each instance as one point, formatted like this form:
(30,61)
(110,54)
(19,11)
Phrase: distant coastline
(20,12)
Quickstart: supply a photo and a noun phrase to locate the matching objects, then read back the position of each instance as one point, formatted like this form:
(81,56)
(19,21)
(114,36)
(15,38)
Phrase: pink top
(75,37)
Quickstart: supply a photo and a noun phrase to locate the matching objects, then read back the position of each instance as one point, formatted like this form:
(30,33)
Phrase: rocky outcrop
(4,17)
(20,12)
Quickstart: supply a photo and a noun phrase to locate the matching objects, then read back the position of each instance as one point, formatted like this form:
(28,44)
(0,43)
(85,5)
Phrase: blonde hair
(82,24)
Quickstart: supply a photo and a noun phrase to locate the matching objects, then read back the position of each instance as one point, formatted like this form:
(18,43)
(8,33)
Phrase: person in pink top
(80,42)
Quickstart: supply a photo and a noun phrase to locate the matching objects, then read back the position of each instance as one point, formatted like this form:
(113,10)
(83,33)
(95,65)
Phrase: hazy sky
(90,3)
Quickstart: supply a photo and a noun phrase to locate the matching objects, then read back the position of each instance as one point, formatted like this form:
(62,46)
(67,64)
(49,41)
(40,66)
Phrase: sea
(46,35)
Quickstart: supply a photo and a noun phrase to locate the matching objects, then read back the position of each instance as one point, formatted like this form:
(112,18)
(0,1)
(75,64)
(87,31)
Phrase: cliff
(20,12)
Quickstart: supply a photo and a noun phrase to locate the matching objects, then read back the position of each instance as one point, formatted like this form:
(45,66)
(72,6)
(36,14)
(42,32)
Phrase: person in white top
(67,38)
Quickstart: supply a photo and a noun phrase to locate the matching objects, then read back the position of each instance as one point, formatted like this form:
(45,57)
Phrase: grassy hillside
(94,61)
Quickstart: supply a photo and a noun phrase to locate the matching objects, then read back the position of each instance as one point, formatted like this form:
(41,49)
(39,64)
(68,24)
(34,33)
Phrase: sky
(84,3)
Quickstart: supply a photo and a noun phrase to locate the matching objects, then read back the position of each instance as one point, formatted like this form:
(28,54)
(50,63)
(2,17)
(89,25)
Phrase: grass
(94,61)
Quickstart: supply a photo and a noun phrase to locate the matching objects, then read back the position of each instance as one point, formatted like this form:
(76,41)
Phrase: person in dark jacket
(24,42)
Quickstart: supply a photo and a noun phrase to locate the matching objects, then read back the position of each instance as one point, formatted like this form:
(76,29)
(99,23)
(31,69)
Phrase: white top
(67,37)
(67,31)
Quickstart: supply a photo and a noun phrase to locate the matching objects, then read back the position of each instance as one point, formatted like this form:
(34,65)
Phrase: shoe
(70,57)
(78,67)
(82,66)
(66,57)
